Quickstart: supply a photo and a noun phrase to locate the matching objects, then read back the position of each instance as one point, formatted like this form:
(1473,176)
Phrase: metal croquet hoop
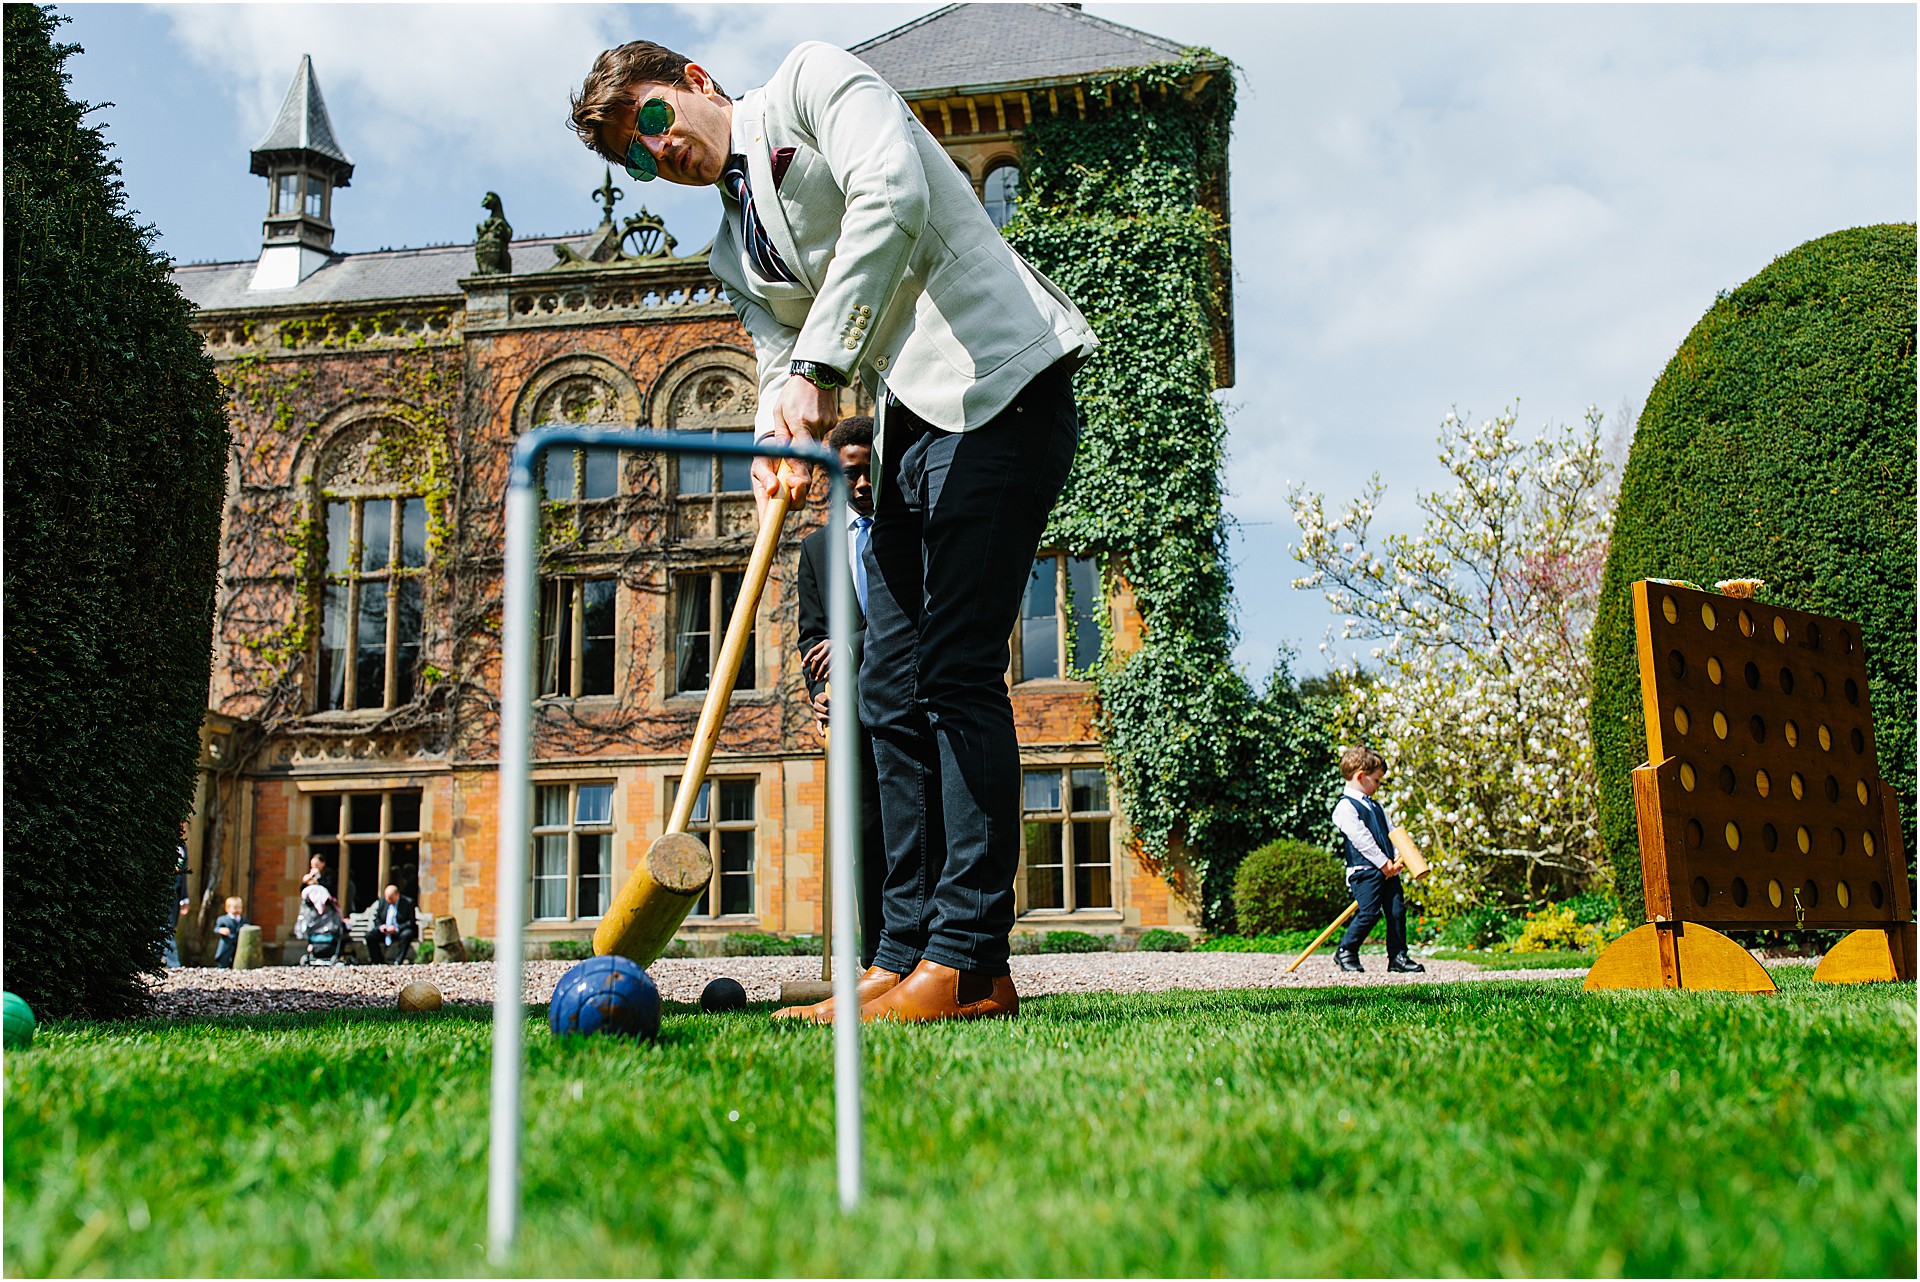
(516,790)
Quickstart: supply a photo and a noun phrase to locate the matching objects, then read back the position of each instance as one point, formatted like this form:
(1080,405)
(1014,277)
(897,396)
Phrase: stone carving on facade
(647,234)
(717,397)
(638,238)
(309,747)
(583,389)
(492,253)
(363,459)
(578,398)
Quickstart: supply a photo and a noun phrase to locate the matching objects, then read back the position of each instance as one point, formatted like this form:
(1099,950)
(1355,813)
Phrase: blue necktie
(759,249)
(862,535)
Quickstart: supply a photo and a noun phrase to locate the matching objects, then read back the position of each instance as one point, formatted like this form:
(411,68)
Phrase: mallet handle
(826,888)
(1338,922)
(732,650)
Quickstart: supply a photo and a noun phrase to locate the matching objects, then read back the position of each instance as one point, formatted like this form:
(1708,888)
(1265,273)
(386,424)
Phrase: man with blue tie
(851,246)
(1373,874)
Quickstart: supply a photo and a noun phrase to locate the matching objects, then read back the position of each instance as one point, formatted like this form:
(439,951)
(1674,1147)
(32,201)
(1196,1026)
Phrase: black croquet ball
(723,994)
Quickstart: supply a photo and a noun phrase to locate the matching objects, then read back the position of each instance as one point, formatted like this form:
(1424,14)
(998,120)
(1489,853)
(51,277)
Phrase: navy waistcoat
(1375,819)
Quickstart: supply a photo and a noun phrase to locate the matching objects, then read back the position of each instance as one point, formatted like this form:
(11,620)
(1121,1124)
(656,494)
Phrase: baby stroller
(322,926)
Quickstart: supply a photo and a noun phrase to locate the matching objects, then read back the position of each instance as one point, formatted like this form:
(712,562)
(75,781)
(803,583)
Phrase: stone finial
(492,255)
(608,195)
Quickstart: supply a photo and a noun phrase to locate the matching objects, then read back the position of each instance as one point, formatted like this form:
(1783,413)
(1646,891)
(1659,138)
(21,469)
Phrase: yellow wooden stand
(1678,955)
(1867,957)
(1761,805)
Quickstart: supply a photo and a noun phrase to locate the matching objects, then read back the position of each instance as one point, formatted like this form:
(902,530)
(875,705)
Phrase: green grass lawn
(1515,961)
(1487,1128)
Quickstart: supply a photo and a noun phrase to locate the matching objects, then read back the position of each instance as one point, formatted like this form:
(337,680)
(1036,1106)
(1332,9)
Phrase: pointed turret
(302,162)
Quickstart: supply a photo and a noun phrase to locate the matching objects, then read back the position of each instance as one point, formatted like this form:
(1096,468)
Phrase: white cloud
(1434,205)
(418,78)
(743,43)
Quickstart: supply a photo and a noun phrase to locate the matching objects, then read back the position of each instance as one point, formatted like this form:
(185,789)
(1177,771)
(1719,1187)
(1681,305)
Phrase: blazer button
(879,362)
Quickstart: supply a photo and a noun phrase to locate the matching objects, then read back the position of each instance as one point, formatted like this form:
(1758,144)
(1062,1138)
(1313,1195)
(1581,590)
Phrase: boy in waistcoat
(1373,874)
(227,927)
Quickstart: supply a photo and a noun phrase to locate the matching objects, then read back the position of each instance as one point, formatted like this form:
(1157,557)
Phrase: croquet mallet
(668,880)
(805,992)
(1416,867)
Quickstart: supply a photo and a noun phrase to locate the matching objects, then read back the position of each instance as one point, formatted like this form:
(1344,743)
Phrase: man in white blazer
(851,246)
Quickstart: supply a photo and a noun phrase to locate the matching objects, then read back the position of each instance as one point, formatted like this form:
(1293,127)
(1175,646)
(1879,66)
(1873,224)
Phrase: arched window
(579,608)
(373,569)
(1002,192)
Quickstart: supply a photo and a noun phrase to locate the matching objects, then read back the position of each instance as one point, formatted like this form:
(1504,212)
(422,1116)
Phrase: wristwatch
(819,375)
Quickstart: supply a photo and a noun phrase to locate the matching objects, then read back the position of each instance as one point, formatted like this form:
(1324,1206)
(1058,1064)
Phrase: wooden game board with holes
(1763,805)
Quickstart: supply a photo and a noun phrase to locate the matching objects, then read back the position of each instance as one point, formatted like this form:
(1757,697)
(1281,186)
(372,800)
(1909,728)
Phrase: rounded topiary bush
(1288,885)
(1778,445)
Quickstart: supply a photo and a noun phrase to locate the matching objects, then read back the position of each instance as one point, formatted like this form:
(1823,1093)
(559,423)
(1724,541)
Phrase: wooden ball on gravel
(419,996)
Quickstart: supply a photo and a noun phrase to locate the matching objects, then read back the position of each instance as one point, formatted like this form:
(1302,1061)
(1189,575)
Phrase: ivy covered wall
(1112,211)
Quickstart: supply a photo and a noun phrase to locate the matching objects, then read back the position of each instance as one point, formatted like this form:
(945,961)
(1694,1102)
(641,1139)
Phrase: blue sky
(1435,206)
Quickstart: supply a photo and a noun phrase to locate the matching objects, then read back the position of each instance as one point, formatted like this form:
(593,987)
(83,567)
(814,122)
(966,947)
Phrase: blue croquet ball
(723,994)
(18,1023)
(605,995)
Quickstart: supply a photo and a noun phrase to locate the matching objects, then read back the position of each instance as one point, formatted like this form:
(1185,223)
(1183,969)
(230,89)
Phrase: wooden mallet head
(1408,853)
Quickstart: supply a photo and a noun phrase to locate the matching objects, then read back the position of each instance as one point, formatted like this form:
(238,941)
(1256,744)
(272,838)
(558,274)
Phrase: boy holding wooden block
(1373,871)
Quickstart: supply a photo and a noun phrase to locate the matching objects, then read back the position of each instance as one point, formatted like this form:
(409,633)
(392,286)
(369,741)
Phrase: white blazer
(903,279)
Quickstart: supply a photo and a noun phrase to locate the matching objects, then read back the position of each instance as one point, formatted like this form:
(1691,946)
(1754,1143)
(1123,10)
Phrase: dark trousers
(873,854)
(384,953)
(957,523)
(1377,895)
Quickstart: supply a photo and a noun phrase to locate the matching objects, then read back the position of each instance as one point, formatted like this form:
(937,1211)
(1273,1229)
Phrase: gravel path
(193,992)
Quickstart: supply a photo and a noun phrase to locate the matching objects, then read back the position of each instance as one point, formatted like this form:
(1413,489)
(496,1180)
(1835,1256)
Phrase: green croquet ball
(19,1023)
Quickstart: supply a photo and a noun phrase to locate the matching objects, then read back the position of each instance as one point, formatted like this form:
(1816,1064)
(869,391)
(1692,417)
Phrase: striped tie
(765,257)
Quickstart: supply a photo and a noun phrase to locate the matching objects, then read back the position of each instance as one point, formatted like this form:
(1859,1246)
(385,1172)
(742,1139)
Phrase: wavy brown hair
(604,95)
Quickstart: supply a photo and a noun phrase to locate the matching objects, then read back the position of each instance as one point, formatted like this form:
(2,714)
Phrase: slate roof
(362,278)
(303,125)
(971,46)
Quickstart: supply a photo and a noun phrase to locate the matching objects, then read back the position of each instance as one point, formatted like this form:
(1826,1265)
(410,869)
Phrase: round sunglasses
(654,118)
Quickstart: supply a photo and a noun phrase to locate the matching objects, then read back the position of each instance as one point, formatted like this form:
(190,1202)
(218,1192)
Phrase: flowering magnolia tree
(1478,693)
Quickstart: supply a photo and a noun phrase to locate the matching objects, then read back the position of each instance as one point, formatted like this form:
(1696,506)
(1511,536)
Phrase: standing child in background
(227,927)
(1373,874)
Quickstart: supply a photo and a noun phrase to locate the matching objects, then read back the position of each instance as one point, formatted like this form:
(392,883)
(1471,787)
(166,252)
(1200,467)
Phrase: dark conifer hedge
(116,440)
(1778,445)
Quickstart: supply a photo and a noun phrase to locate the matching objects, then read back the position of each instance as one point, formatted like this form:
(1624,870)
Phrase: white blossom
(1479,692)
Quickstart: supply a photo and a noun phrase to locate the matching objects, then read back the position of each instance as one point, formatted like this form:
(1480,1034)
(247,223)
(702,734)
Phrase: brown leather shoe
(934,991)
(872,983)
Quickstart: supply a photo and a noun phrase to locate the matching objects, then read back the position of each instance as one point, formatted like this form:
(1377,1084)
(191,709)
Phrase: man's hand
(817,659)
(804,412)
(821,711)
(1393,868)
